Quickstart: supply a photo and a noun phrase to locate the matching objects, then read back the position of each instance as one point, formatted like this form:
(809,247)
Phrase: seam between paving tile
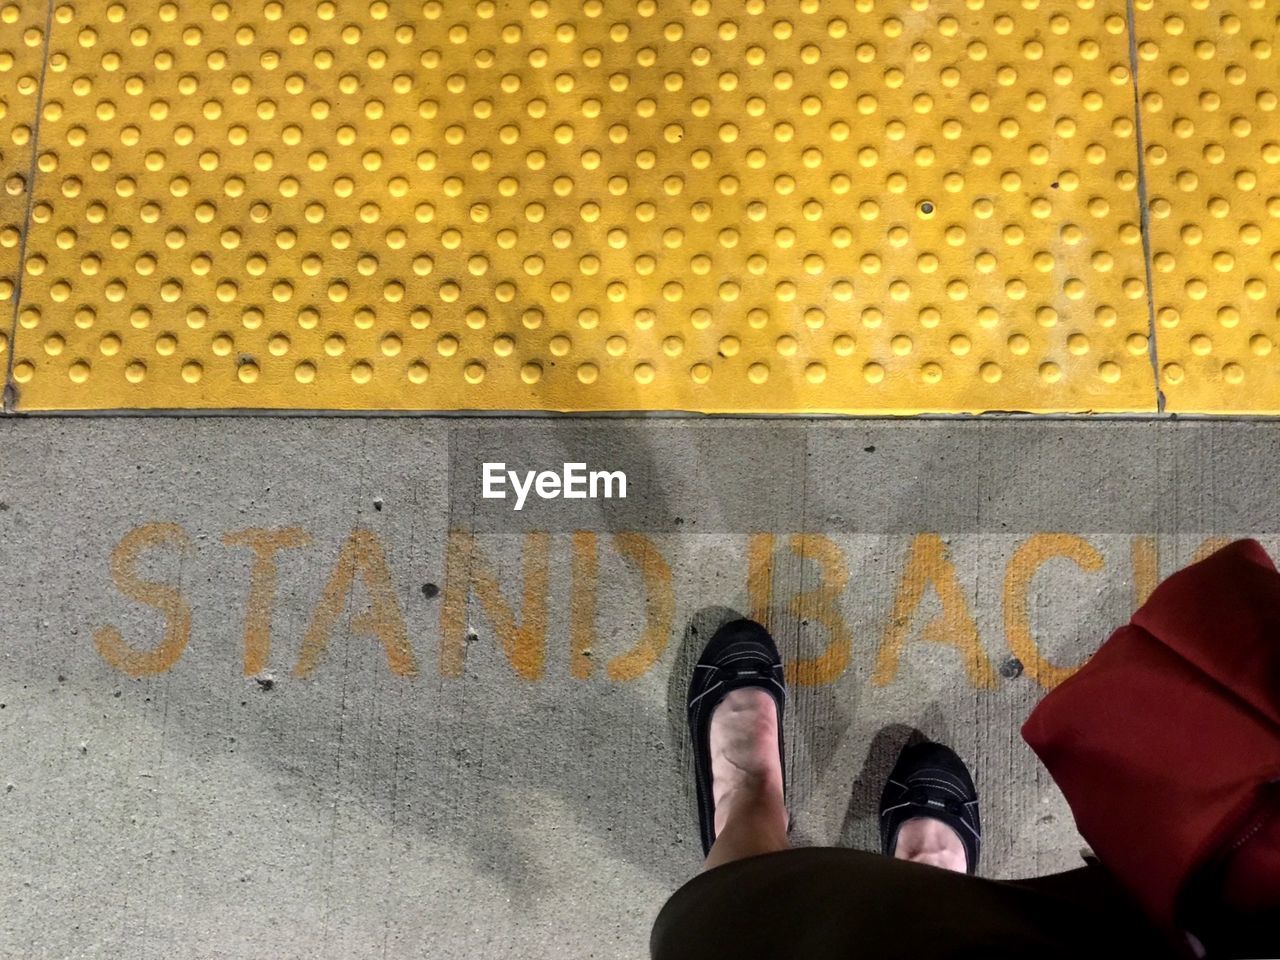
(1144,213)
(20,268)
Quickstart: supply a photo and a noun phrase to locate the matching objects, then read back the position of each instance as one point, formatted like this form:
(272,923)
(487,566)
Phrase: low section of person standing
(759,899)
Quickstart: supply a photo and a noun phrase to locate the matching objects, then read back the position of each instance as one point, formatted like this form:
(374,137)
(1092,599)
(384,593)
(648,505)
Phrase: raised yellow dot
(1233,373)
(588,372)
(815,373)
(644,373)
(362,372)
(247,372)
(990,372)
(758,373)
(192,371)
(873,372)
(1050,372)
(1109,371)
(931,373)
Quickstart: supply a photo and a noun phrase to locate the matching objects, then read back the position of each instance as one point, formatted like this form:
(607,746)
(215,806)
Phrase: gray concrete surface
(408,770)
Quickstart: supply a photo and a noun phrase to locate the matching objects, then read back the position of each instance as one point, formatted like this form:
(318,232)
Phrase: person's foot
(745,766)
(928,840)
(929,810)
(737,697)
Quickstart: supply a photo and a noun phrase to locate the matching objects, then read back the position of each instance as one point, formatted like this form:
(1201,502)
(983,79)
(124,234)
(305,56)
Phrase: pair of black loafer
(928,780)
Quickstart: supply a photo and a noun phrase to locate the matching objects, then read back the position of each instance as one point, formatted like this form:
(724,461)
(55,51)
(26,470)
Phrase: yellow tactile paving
(791,206)
(1209,75)
(22,26)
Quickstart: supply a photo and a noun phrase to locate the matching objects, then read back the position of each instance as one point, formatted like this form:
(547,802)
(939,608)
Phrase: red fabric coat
(1165,742)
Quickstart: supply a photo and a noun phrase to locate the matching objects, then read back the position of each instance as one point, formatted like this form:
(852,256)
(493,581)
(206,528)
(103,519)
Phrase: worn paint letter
(583,580)
(928,564)
(659,606)
(362,556)
(165,598)
(1024,563)
(524,643)
(1146,573)
(821,606)
(262,587)
(1210,546)
(760,576)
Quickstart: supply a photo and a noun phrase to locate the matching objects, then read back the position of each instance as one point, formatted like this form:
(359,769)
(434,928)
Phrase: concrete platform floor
(286,688)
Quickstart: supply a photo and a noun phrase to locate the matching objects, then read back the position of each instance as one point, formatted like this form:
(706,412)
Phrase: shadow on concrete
(861,827)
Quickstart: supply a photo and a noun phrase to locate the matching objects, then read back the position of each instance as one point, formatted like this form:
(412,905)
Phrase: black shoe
(929,780)
(740,654)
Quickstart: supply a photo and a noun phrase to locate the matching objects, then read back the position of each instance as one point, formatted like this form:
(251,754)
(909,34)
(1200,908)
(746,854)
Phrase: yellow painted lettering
(165,598)
(1026,560)
(263,575)
(361,555)
(928,564)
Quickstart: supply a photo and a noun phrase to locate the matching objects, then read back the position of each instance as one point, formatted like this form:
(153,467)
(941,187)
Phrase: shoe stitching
(888,810)
(942,785)
(714,686)
(939,771)
(738,658)
(898,806)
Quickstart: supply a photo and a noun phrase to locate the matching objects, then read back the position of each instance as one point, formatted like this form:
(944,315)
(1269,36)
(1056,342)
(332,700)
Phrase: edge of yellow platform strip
(785,390)
(727,413)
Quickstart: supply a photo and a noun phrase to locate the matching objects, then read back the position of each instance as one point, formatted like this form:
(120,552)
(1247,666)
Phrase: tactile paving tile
(1209,76)
(22,26)
(748,206)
